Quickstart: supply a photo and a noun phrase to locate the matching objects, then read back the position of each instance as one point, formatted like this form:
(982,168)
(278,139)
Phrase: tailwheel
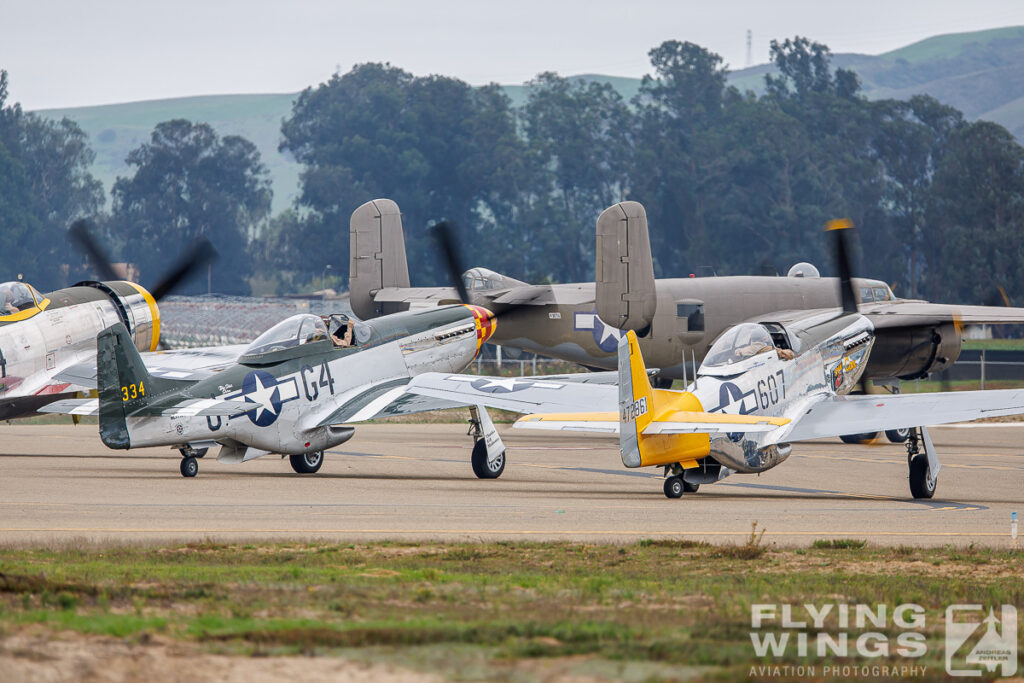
(484,467)
(674,486)
(189,466)
(307,463)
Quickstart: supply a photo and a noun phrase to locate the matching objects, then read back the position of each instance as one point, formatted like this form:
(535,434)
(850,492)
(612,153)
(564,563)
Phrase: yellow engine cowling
(136,308)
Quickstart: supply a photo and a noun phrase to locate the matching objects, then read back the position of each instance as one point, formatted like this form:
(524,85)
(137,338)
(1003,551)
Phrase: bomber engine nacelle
(913,352)
(624,272)
(136,309)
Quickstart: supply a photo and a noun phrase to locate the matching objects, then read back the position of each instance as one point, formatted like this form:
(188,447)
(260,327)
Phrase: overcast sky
(62,53)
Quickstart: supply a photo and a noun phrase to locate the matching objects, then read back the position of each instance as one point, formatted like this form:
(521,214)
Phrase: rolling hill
(980,73)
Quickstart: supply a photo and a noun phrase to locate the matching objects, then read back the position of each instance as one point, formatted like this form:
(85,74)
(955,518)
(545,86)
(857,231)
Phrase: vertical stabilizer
(624,271)
(640,404)
(377,252)
(124,384)
(636,398)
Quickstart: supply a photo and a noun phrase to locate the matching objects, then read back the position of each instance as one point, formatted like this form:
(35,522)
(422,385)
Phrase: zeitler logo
(977,644)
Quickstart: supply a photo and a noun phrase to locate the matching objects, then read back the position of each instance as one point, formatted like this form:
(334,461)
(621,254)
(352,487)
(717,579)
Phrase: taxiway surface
(414,482)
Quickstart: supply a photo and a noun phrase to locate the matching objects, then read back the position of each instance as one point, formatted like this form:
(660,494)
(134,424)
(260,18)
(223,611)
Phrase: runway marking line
(523,532)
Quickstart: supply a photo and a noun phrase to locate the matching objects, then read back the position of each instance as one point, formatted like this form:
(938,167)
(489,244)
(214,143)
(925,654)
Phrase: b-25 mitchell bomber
(675,320)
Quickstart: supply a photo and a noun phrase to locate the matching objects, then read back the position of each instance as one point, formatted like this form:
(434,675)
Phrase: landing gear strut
(189,466)
(924,466)
(488,457)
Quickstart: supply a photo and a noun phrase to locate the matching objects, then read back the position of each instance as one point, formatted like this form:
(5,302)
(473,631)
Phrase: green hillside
(116,129)
(980,73)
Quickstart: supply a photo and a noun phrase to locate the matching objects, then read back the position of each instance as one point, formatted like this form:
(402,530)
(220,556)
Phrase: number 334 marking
(133,391)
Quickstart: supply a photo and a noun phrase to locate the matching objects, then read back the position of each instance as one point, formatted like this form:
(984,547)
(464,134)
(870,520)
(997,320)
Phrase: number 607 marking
(768,393)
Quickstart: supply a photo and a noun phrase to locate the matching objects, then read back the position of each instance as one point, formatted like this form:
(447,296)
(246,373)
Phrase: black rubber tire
(898,435)
(919,477)
(189,467)
(865,438)
(201,453)
(307,463)
(481,467)
(674,487)
(690,488)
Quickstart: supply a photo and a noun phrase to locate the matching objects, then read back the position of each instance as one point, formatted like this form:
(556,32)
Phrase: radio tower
(750,47)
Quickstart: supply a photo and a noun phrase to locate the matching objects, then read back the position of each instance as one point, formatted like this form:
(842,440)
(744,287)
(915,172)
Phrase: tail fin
(636,399)
(124,384)
(624,273)
(640,404)
(377,253)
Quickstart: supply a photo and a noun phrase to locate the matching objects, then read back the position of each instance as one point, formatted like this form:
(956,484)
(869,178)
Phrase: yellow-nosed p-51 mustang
(762,386)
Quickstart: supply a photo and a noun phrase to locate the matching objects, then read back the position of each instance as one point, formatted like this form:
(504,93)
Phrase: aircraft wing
(518,394)
(902,313)
(675,423)
(196,407)
(404,397)
(417,296)
(186,364)
(874,412)
(386,399)
(523,295)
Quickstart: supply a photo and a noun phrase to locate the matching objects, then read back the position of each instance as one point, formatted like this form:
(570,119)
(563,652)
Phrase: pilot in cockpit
(340,327)
(7,305)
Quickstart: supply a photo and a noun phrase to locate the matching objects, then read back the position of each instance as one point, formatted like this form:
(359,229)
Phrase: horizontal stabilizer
(73,406)
(199,407)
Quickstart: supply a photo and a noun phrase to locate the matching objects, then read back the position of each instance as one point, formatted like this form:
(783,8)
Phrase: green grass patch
(671,602)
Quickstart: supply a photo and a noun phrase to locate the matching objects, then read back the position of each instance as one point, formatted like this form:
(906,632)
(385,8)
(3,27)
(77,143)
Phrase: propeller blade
(81,235)
(199,254)
(841,228)
(444,235)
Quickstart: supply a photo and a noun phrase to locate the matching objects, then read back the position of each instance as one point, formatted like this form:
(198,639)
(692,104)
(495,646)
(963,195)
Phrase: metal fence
(979,366)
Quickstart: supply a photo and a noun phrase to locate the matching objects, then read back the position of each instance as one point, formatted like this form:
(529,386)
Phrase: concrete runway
(414,482)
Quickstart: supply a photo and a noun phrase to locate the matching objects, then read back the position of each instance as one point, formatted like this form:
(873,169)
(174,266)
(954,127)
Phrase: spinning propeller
(199,254)
(444,235)
(841,228)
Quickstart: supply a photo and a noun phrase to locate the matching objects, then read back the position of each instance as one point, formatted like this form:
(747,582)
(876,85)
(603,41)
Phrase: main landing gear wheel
(865,438)
(897,435)
(307,463)
(674,486)
(189,466)
(690,488)
(484,467)
(922,483)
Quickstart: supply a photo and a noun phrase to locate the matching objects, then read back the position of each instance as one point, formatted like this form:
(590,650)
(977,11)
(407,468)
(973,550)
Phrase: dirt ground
(41,657)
